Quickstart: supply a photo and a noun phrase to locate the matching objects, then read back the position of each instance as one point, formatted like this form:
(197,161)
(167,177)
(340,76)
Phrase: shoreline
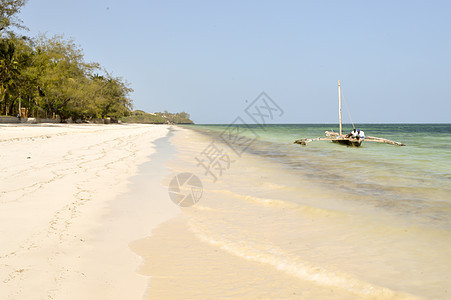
(86,213)
(66,213)
(265,230)
(184,261)
(132,215)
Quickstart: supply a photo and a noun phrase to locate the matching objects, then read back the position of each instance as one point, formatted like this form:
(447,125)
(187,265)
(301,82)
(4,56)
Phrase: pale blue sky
(208,57)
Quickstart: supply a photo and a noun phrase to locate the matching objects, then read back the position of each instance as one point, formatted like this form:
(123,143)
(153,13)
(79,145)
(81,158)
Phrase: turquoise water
(372,222)
(412,180)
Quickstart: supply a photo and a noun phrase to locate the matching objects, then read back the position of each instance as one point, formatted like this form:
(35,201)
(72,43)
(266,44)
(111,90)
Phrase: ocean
(316,221)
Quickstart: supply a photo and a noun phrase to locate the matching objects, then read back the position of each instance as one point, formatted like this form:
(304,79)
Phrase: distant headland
(139,116)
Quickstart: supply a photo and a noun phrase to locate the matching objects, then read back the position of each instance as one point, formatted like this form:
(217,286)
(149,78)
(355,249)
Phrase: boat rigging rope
(349,114)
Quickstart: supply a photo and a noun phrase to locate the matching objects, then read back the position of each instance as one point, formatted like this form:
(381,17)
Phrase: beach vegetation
(47,77)
(9,10)
(51,79)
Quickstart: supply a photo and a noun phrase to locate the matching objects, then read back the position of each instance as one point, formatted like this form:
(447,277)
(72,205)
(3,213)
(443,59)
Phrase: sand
(69,208)
(85,213)
(247,239)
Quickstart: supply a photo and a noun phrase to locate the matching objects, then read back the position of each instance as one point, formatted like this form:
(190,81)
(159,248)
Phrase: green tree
(61,74)
(112,97)
(27,78)
(50,76)
(9,74)
(9,10)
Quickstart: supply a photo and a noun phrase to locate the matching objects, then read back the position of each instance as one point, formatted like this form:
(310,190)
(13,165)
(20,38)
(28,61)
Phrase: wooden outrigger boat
(344,139)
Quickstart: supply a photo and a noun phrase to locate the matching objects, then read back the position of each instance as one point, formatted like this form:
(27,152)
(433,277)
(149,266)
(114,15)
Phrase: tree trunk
(11,107)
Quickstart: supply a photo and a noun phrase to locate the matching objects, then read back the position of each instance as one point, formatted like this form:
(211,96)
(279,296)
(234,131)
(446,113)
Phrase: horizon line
(369,123)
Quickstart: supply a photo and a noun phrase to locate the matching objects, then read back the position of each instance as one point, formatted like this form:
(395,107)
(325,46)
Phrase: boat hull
(348,142)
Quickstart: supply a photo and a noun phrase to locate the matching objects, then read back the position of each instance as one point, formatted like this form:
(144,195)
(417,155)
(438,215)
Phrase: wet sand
(262,231)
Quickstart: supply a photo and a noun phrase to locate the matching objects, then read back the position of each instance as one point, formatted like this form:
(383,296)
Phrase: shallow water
(415,178)
(342,222)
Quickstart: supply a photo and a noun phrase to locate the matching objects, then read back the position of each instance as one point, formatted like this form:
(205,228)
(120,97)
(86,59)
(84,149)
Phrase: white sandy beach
(67,213)
(85,214)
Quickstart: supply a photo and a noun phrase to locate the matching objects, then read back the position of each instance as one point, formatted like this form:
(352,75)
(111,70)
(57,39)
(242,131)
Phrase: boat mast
(339,107)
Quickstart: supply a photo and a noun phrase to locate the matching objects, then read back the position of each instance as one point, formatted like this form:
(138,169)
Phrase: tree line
(48,77)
